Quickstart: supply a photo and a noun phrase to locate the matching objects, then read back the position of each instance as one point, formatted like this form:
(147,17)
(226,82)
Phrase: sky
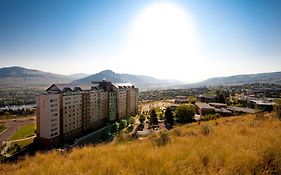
(186,40)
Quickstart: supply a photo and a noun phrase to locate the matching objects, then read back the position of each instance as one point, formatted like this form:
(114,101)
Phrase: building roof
(240,109)
(203,105)
(72,87)
(218,104)
(262,102)
(223,110)
(181,97)
(123,85)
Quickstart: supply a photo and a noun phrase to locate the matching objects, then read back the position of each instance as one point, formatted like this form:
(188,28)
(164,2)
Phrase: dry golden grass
(234,145)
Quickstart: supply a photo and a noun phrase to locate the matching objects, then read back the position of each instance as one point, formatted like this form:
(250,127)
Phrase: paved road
(13,126)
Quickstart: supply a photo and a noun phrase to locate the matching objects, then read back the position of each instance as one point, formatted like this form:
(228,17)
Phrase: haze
(184,40)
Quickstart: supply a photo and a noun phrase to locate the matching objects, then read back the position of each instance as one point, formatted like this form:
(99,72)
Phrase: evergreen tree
(168,118)
(153,118)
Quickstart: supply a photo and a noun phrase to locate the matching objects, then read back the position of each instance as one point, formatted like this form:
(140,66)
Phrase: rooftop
(203,105)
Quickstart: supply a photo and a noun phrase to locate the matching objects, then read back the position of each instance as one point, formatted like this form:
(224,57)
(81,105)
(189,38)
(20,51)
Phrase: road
(12,126)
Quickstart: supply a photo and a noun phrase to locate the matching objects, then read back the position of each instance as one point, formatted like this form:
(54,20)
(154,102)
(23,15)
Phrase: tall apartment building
(68,111)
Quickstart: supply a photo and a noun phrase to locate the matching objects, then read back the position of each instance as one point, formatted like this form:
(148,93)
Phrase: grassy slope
(2,128)
(236,145)
(24,132)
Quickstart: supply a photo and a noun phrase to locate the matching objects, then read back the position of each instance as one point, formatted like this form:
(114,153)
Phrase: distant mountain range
(271,77)
(22,77)
(141,81)
(78,76)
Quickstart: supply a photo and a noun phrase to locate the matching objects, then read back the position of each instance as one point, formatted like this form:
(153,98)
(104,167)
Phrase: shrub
(123,124)
(163,139)
(123,138)
(260,116)
(278,108)
(209,117)
(185,113)
(206,130)
(176,132)
(115,127)
(141,118)
(131,120)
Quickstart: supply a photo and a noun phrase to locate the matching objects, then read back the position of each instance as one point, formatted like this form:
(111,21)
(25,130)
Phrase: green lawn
(2,128)
(22,144)
(25,131)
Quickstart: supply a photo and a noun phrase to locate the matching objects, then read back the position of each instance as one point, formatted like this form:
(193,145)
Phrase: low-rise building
(181,99)
(204,109)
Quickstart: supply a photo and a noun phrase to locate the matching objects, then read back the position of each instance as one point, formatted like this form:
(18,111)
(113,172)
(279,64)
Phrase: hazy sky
(185,40)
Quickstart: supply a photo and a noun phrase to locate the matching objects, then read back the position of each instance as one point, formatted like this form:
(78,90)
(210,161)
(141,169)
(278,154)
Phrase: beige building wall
(98,106)
(132,101)
(47,113)
(103,105)
(121,103)
(94,107)
(71,113)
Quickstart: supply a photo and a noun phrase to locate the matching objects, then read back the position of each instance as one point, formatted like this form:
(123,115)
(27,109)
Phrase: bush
(185,113)
(123,124)
(131,120)
(115,127)
(278,108)
(206,130)
(141,118)
(177,132)
(209,117)
(163,139)
(260,116)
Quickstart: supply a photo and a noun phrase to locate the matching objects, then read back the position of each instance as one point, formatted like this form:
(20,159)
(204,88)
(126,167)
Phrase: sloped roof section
(71,87)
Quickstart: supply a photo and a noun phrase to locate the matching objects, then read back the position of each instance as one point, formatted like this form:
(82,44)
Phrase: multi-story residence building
(48,119)
(68,111)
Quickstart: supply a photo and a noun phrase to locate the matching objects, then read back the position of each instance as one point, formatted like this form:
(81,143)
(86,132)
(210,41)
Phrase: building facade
(68,111)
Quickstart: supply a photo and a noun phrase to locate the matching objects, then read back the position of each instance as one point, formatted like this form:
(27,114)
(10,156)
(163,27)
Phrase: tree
(192,99)
(168,118)
(153,118)
(185,113)
(141,118)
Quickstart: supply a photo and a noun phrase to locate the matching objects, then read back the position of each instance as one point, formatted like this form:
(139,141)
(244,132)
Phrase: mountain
(78,76)
(141,81)
(271,77)
(22,77)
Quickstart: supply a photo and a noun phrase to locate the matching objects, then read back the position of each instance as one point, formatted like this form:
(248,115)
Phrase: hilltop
(269,77)
(22,77)
(141,81)
(233,145)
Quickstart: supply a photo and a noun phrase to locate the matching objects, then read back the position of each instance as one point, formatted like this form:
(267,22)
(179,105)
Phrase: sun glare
(162,34)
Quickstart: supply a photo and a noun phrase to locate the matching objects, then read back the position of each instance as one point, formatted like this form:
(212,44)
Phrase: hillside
(233,145)
(143,82)
(22,77)
(271,77)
